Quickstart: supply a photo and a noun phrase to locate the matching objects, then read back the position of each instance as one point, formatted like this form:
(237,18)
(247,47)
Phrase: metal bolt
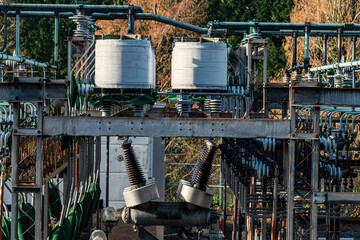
(317,102)
(293,101)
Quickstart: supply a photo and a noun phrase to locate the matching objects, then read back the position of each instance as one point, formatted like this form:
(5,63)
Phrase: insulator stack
(348,78)
(82,22)
(106,108)
(310,76)
(215,105)
(183,105)
(339,79)
(296,76)
(201,174)
(183,108)
(138,110)
(133,169)
(207,104)
(330,79)
(287,78)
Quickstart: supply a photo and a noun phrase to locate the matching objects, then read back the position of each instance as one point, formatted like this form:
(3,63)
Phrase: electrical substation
(89,150)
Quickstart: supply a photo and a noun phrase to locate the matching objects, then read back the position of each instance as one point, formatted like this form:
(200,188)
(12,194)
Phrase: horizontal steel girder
(318,96)
(31,92)
(165,127)
(337,197)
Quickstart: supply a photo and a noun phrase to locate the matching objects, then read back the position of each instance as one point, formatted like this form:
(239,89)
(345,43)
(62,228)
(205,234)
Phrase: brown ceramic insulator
(201,173)
(133,169)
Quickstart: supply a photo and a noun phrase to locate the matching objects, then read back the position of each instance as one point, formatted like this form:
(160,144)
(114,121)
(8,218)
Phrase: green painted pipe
(56,39)
(149,16)
(335,66)
(17,34)
(307,45)
(313,33)
(267,29)
(67,7)
(46,14)
(292,26)
(26,61)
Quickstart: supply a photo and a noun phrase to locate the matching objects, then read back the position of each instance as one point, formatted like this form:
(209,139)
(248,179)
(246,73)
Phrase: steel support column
(235,210)
(274,210)
(46,210)
(249,62)
(294,49)
(325,39)
(97,175)
(15,172)
(290,179)
(265,59)
(315,175)
(353,58)
(39,174)
(339,49)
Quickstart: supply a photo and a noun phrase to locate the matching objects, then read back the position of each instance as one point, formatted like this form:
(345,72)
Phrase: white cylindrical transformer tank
(126,64)
(199,66)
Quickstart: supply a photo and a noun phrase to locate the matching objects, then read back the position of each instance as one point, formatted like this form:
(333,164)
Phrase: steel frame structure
(194,127)
(288,97)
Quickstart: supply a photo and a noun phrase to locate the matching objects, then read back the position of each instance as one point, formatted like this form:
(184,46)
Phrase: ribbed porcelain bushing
(193,195)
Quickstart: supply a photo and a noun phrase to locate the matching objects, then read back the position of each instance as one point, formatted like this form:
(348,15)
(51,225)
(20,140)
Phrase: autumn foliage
(322,11)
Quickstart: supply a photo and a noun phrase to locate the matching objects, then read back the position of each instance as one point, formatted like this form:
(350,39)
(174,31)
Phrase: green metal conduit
(331,111)
(150,16)
(348,117)
(26,61)
(67,7)
(353,123)
(277,26)
(356,110)
(330,119)
(313,33)
(56,39)
(17,35)
(353,57)
(317,30)
(307,45)
(39,14)
(335,66)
